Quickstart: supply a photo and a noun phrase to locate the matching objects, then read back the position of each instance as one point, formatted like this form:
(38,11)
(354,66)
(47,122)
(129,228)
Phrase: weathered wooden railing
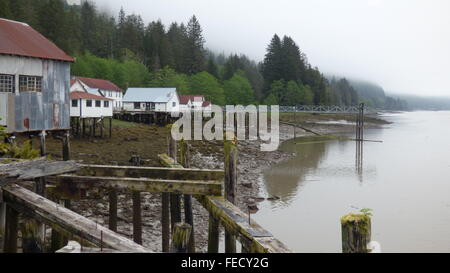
(253,237)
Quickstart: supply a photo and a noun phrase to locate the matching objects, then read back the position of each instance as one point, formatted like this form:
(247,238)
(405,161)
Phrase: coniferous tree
(195,52)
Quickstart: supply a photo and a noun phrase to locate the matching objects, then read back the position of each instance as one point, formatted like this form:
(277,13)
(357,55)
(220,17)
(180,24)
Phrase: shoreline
(205,154)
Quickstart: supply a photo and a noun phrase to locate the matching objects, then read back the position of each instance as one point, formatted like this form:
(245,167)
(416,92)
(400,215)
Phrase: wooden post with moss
(175,202)
(213,234)
(180,237)
(188,215)
(231,156)
(356,233)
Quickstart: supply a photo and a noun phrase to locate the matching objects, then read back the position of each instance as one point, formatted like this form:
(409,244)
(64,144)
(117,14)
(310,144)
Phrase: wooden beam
(66,221)
(32,169)
(139,184)
(150,172)
(255,238)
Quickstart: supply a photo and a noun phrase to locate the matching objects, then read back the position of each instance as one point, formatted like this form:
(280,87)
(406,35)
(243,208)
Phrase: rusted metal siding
(46,110)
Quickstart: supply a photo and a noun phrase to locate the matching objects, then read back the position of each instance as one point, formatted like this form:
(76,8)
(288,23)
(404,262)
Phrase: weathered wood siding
(37,111)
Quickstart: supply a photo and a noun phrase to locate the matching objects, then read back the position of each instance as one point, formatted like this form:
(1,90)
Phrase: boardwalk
(324,109)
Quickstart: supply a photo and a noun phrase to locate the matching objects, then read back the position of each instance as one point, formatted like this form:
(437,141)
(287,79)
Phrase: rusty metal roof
(20,39)
(99,84)
(85,95)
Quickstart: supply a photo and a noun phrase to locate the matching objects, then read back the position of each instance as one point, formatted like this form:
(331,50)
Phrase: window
(106,104)
(174,104)
(89,103)
(137,105)
(7,83)
(74,103)
(30,83)
(98,103)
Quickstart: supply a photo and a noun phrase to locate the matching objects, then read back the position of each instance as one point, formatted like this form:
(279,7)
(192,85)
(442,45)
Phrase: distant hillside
(424,103)
(374,95)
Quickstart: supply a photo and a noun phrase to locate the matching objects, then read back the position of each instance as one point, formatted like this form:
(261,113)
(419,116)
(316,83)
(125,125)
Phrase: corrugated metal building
(34,80)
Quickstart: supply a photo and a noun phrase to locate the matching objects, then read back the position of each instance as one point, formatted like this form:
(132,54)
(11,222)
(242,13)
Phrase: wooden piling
(213,235)
(175,202)
(231,154)
(58,241)
(30,237)
(2,218)
(180,238)
(188,215)
(356,233)
(66,146)
(11,230)
(113,210)
(165,221)
(137,210)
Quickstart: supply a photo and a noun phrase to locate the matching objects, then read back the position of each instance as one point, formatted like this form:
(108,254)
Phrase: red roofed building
(99,87)
(34,80)
(87,105)
(194,103)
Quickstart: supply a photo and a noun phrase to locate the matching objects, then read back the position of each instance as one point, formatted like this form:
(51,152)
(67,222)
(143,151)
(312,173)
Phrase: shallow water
(405,180)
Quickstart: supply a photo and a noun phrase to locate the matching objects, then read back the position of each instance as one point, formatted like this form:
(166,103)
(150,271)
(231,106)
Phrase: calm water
(405,180)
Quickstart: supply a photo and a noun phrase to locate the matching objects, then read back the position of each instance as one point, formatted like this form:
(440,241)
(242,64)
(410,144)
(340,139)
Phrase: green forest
(123,49)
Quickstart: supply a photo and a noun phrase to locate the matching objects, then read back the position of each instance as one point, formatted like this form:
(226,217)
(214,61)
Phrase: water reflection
(285,178)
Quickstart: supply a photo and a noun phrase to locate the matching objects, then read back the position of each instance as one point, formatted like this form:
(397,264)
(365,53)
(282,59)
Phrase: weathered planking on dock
(150,172)
(66,221)
(138,184)
(31,169)
(254,237)
(251,235)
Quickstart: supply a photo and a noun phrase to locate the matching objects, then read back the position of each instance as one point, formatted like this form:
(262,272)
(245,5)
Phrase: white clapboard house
(151,100)
(99,87)
(194,103)
(87,105)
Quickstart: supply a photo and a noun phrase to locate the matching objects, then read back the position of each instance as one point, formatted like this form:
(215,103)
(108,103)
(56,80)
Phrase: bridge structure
(325,109)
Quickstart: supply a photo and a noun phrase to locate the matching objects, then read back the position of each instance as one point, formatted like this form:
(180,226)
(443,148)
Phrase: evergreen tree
(212,68)
(195,53)
(271,68)
(5,11)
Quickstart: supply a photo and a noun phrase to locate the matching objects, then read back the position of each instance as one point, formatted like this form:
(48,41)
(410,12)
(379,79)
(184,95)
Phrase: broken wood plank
(255,238)
(150,172)
(139,184)
(32,169)
(66,221)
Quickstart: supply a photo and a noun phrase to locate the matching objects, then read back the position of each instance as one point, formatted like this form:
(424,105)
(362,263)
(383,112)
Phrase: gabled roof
(149,94)
(20,39)
(206,104)
(184,99)
(87,96)
(99,84)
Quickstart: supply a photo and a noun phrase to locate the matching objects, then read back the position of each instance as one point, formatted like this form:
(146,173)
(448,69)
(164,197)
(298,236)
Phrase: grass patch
(123,124)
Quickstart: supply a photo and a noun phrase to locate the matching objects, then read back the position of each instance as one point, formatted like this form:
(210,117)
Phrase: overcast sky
(403,45)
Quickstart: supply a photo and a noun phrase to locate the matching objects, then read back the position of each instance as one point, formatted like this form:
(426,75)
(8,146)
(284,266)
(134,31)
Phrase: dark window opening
(74,103)
(89,103)
(106,104)
(30,83)
(7,83)
(98,103)
(137,105)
